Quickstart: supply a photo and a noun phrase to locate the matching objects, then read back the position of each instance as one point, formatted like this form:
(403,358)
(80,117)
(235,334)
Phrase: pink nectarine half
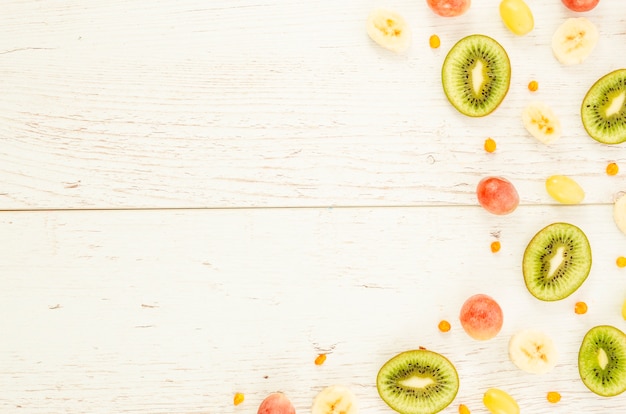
(497,195)
(276,403)
(481,317)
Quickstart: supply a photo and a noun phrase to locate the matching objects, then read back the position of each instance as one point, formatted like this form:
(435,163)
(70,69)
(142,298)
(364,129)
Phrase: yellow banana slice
(619,211)
(533,351)
(389,30)
(541,122)
(335,399)
(574,40)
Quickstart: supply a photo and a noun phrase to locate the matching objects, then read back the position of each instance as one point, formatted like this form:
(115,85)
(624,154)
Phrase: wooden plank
(252,103)
(175,311)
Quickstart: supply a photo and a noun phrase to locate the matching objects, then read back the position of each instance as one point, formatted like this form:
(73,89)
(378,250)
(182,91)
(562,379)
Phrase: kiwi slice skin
(418,382)
(606,93)
(574,263)
(476,53)
(603,345)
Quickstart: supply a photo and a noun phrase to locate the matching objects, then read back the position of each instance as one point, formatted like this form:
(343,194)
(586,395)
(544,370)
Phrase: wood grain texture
(134,104)
(172,134)
(175,311)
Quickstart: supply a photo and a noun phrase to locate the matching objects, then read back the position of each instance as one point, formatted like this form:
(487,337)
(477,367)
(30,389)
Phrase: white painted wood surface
(174,312)
(198,197)
(274,103)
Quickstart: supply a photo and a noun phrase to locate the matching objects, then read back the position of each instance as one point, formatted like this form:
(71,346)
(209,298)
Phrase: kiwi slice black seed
(476,75)
(556,261)
(602,360)
(603,111)
(418,382)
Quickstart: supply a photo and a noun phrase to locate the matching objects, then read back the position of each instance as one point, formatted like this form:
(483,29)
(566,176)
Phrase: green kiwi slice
(603,111)
(418,382)
(556,261)
(476,75)
(602,360)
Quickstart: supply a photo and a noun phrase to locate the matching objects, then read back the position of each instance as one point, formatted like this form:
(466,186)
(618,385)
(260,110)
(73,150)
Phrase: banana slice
(533,351)
(541,122)
(335,399)
(619,211)
(389,30)
(574,40)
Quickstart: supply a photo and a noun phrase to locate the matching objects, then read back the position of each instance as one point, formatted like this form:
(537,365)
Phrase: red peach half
(276,403)
(497,195)
(481,317)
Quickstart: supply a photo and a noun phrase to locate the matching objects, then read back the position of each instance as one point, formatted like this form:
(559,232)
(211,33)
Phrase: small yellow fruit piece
(621,261)
(434,41)
(533,86)
(490,145)
(444,326)
(463,409)
(321,358)
(564,189)
(554,397)
(238,399)
(612,169)
(495,246)
(517,16)
(624,310)
(580,308)
(389,30)
(499,402)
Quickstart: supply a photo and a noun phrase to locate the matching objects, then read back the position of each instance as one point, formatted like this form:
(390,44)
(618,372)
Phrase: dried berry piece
(434,41)
(612,169)
(321,358)
(495,246)
(463,409)
(238,398)
(554,397)
(444,326)
(580,308)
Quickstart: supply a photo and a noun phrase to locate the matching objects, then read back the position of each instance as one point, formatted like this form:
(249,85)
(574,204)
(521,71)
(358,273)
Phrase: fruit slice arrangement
(619,212)
(476,75)
(276,403)
(335,399)
(517,16)
(449,8)
(541,122)
(418,382)
(564,189)
(533,351)
(603,110)
(574,40)
(481,317)
(498,401)
(497,195)
(389,30)
(602,360)
(556,261)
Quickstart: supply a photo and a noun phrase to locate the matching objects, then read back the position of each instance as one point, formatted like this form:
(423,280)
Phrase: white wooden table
(199,197)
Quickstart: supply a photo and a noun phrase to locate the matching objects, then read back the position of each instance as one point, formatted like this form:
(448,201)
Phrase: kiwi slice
(602,360)
(476,75)
(418,382)
(603,111)
(556,261)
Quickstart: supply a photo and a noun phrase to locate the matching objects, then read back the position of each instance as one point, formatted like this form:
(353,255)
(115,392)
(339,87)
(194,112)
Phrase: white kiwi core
(603,358)
(616,104)
(416,382)
(556,261)
(477,77)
